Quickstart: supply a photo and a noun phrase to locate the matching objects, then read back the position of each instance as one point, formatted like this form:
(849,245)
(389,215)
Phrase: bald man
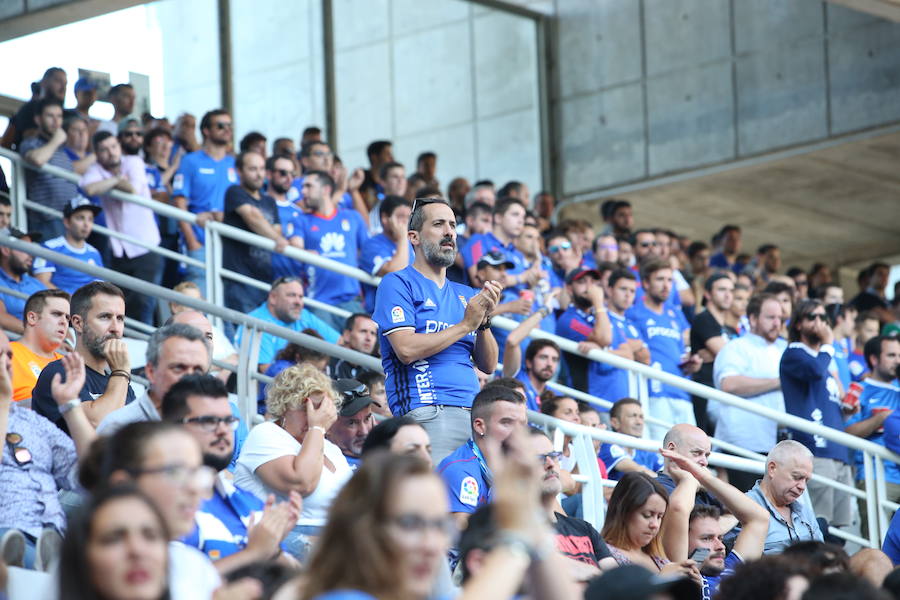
(692,442)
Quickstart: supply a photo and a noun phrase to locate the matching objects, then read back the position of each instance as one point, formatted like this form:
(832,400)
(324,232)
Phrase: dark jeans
(48,229)
(147,267)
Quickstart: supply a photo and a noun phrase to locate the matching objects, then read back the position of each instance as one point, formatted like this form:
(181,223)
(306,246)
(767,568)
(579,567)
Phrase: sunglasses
(421,202)
(557,247)
(359,391)
(813,316)
(283,280)
(647,244)
(284,172)
(222,125)
(20,454)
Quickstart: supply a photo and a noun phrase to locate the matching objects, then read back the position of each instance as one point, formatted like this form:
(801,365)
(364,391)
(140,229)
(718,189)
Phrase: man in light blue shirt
(788,468)
(748,367)
(284,307)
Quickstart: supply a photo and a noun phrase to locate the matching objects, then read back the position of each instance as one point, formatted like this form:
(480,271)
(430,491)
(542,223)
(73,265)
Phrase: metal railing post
(880,498)
(871,500)
(592,501)
(20,216)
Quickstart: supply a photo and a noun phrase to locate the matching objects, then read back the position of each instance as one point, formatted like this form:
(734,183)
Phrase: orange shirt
(27,366)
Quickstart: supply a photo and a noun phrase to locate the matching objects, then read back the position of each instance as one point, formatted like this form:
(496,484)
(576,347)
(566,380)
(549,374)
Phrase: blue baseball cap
(84,85)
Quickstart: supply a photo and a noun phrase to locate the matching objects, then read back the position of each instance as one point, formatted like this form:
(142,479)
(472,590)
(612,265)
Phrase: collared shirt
(810,392)
(749,356)
(465,478)
(28,493)
(67,278)
(269,344)
(803,524)
(222,521)
(876,396)
(140,410)
(127,217)
(45,189)
(28,285)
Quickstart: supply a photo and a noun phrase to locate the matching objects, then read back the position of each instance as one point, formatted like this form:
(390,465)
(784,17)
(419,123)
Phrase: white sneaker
(12,548)
(46,551)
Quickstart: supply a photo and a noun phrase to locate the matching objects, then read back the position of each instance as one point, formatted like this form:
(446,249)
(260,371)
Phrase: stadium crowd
(426,481)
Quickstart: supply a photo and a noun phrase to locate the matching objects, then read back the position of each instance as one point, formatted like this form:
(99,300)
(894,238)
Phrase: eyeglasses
(222,125)
(813,316)
(647,244)
(20,454)
(557,247)
(322,154)
(201,477)
(210,423)
(554,456)
(418,525)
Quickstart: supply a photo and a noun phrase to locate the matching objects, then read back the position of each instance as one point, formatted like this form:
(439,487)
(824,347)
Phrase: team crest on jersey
(35,369)
(332,242)
(397,315)
(345,225)
(91,261)
(468,491)
(463,300)
(616,451)
(232,175)
(178,183)
(289,230)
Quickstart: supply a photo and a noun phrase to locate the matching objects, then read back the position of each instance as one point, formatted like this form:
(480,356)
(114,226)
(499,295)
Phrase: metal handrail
(870,450)
(252,324)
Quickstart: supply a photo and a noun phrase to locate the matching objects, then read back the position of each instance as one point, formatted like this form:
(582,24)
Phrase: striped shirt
(42,188)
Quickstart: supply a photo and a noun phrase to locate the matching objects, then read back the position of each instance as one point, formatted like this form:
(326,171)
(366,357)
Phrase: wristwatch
(65,408)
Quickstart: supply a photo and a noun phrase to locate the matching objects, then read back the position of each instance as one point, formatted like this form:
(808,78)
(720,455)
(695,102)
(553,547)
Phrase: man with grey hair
(173,351)
(789,467)
(433,331)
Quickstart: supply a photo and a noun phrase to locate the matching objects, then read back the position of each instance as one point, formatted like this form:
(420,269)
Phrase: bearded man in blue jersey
(434,332)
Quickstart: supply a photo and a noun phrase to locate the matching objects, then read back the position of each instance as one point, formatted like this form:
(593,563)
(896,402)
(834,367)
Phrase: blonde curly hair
(296,383)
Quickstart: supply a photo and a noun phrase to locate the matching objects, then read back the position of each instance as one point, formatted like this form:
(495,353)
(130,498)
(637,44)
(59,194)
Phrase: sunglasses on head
(359,391)
(421,202)
(283,280)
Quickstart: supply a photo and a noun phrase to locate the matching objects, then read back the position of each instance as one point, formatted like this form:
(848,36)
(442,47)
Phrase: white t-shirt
(192,575)
(266,442)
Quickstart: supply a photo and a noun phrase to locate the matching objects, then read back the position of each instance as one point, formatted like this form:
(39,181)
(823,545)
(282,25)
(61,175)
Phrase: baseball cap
(632,582)
(84,84)
(78,203)
(129,121)
(34,236)
(495,258)
(355,396)
(579,272)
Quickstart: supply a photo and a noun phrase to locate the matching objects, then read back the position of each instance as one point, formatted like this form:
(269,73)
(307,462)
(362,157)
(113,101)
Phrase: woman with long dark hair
(116,549)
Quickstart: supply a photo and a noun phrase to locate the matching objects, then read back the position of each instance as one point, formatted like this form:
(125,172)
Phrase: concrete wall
(278,73)
(649,87)
(440,75)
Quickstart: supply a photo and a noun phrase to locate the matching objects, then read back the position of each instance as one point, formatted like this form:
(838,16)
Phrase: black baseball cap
(495,258)
(354,395)
(80,203)
(579,272)
(632,582)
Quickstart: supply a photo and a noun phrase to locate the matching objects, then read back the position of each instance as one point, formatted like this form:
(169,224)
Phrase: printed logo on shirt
(468,491)
(289,230)
(397,315)
(616,451)
(91,261)
(424,382)
(35,369)
(232,175)
(429,303)
(833,392)
(178,183)
(345,225)
(816,417)
(206,171)
(332,243)
(432,326)
(463,300)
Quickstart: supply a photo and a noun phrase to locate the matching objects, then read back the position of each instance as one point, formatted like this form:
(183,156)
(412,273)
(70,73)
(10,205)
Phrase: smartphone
(700,555)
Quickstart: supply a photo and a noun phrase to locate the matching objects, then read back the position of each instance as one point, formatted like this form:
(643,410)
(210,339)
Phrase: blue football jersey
(203,181)
(664,334)
(339,237)
(65,278)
